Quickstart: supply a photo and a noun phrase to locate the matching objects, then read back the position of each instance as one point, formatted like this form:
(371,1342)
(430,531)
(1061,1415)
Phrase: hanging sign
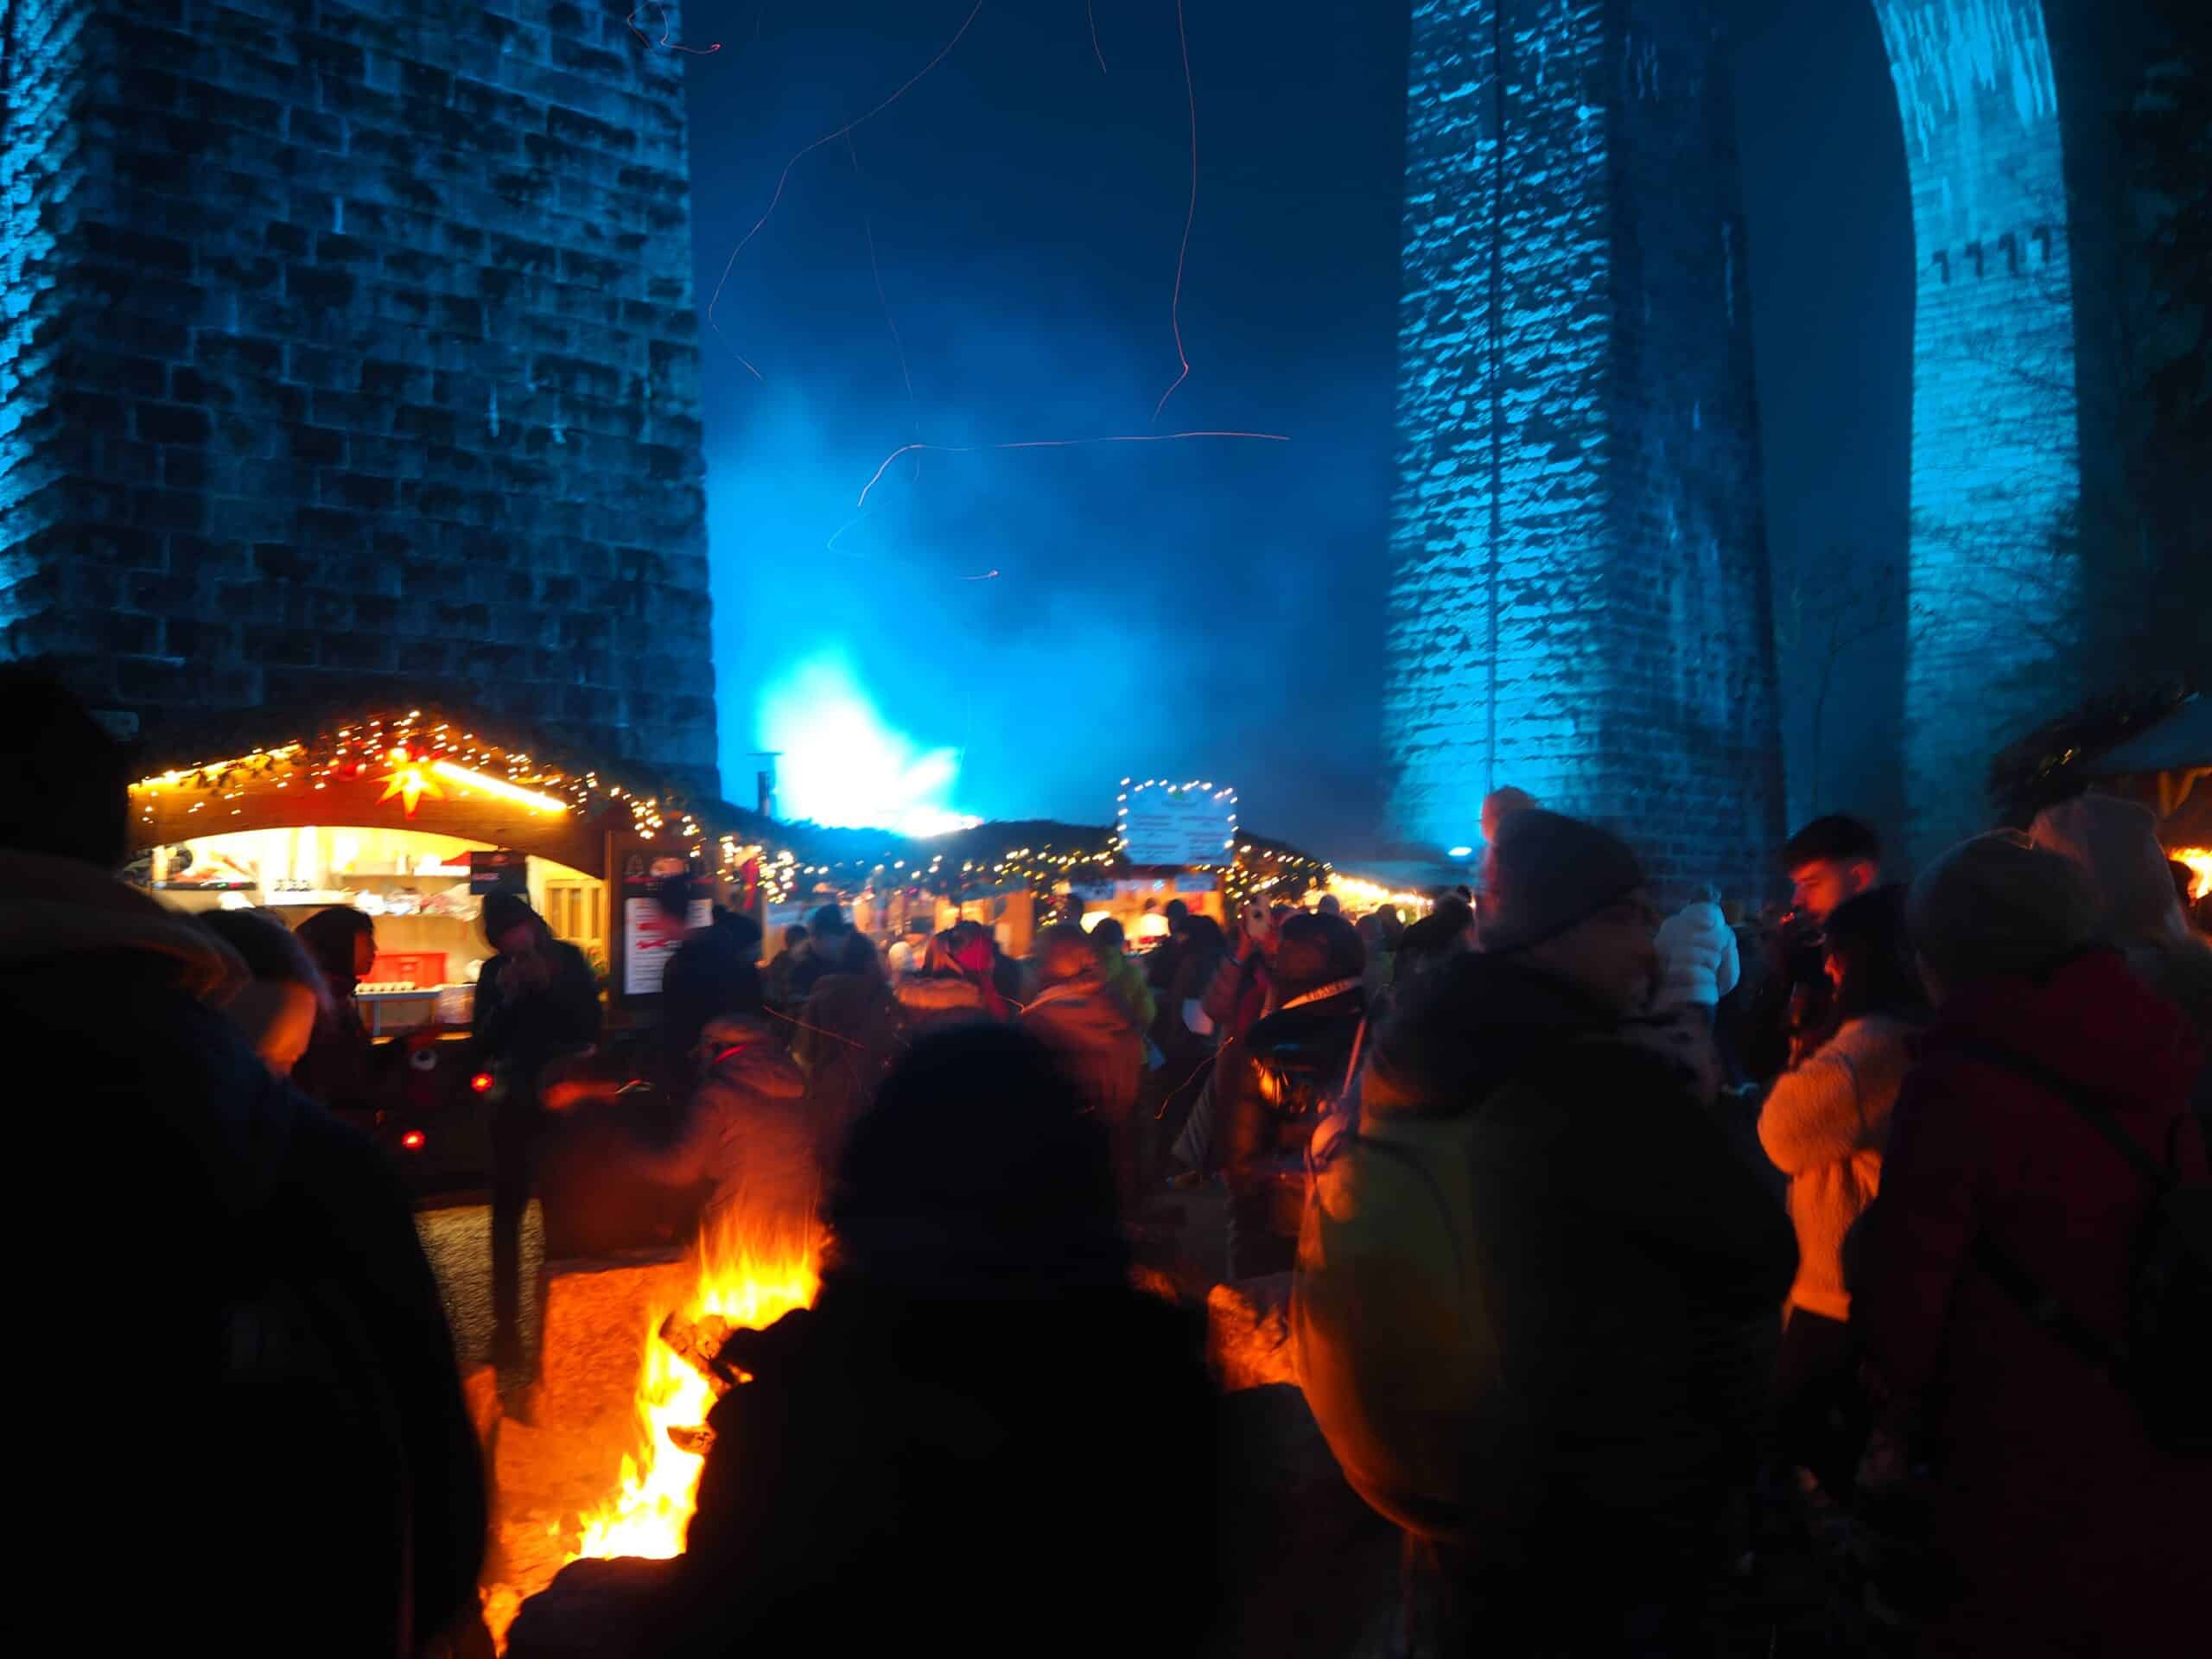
(650,934)
(1161,823)
(500,871)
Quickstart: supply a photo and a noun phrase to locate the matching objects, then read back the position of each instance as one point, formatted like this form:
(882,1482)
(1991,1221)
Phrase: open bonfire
(746,1281)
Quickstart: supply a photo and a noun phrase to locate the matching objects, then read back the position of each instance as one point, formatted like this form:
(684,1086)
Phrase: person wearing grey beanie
(1569,897)
(1607,1282)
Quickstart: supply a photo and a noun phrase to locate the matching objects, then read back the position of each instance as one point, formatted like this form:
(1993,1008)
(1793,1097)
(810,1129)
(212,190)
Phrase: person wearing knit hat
(1569,896)
(1596,1275)
(2064,1521)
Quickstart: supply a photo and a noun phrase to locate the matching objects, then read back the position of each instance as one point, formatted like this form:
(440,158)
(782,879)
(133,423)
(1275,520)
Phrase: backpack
(2165,1360)
(1390,1333)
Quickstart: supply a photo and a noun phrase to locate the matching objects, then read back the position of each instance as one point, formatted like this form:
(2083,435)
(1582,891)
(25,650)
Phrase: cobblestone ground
(458,1240)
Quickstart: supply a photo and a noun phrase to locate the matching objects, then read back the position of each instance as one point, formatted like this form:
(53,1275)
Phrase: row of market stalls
(414,816)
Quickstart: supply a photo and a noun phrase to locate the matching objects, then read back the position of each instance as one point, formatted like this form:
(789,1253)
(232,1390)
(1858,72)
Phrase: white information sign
(650,939)
(1163,824)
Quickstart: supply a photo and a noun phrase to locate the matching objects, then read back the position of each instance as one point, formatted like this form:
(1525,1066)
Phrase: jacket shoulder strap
(2087,1106)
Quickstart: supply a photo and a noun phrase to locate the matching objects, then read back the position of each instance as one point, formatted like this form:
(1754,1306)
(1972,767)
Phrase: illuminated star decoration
(406,780)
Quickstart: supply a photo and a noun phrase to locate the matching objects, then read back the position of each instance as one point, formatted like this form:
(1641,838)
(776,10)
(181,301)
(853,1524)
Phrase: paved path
(458,1241)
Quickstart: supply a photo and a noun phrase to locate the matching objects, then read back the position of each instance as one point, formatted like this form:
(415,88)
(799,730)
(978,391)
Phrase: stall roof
(2178,742)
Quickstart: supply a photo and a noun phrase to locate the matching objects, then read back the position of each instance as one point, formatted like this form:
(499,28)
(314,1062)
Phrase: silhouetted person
(1541,1366)
(336,1067)
(1272,1090)
(979,1439)
(1825,1124)
(1996,1267)
(536,1001)
(1830,860)
(1091,1032)
(287,1389)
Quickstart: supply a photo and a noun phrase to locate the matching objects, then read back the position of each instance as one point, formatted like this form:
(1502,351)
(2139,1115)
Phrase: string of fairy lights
(421,753)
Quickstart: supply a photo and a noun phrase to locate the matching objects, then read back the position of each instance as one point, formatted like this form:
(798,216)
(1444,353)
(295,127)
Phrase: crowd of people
(1620,1240)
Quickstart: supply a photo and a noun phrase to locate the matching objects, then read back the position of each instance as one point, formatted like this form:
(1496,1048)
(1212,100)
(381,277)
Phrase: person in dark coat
(845,1040)
(1273,1089)
(335,1069)
(2064,1527)
(963,1441)
(1830,860)
(748,1136)
(294,1398)
(785,991)
(536,1001)
(1090,1031)
(1622,1258)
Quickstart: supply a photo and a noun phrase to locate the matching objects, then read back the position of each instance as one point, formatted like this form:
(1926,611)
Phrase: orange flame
(750,1280)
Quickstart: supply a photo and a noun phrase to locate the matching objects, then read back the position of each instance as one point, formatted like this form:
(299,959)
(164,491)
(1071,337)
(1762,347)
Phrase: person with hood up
(2063,1526)
(785,993)
(1093,1035)
(958,1400)
(1824,1125)
(1589,1295)
(302,1408)
(2116,844)
(1272,1089)
(749,1135)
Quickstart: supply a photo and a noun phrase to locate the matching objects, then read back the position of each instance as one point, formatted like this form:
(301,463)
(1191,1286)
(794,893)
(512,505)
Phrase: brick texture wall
(1995,587)
(1580,606)
(357,358)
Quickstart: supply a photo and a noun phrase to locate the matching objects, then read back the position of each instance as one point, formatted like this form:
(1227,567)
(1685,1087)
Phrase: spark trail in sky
(1190,217)
(1091,11)
(782,179)
(695,51)
(1057,443)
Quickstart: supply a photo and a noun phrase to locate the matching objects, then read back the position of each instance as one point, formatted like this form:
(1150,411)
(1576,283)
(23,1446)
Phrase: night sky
(1208,607)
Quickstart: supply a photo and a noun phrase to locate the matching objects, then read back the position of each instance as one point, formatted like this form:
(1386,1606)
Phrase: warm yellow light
(406,780)
(2199,860)
(466,779)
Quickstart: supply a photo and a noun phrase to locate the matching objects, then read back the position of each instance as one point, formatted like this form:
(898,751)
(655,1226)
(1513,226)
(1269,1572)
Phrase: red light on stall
(482,1083)
(412,1140)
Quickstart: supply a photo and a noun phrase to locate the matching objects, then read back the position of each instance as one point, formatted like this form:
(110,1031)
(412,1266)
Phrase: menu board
(650,934)
(1161,825)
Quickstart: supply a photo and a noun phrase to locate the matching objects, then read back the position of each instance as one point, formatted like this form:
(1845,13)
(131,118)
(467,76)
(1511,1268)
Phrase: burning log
(698,1343)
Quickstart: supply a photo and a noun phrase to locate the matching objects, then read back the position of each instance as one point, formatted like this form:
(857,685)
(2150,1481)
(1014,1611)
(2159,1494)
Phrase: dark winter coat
(974,1473)
(2068,1530)
(1096,1038)
(1271,1090)
(847,1037)
(748,1134)
(1625,1259)
(289,1392)
(335,1068)
(522,1028)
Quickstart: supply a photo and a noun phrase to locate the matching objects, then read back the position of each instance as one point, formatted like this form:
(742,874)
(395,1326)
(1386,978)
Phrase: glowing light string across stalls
(414,745)
(1190,218)
(784,178)
(1057,443)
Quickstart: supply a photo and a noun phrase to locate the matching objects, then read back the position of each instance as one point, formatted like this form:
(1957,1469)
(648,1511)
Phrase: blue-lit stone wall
(1995,583)
(351,353)
(1579,605)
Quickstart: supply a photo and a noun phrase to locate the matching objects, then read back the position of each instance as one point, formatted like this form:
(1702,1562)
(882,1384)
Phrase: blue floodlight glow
(841,764)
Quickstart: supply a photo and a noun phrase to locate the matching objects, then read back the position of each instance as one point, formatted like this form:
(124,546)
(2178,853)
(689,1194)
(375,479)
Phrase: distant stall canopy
(490,781)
